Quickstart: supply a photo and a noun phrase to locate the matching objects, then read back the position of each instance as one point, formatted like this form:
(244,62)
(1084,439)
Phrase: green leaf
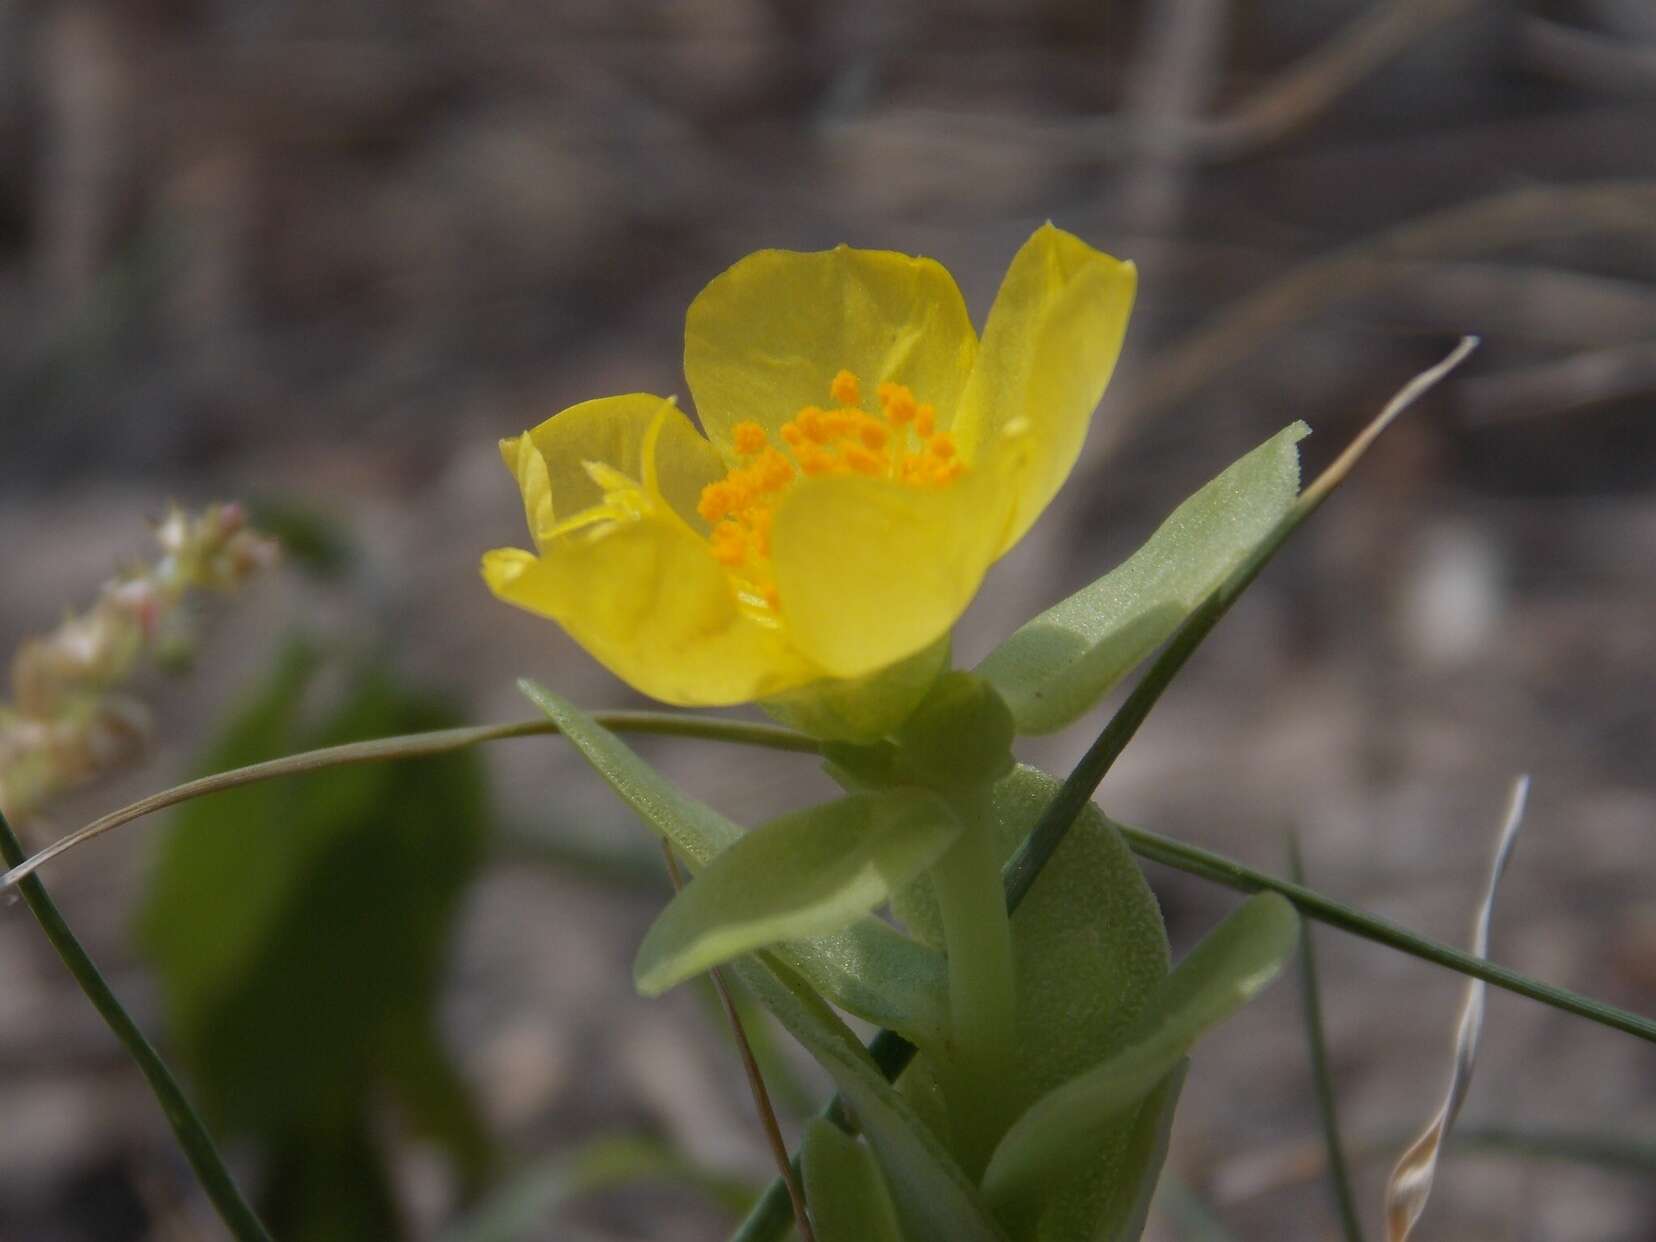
(1058,665)
(844,1188)
(695,829)
(869,969)
(1090,950)
(1128,1205)
(806,874)
(1230,966)
(936,1202)
(299,932)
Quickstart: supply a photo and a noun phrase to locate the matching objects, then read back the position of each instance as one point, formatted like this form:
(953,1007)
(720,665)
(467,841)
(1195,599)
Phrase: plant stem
(982,990)
(1312,904)
(413,746)
(1339,1175)
(233,1210)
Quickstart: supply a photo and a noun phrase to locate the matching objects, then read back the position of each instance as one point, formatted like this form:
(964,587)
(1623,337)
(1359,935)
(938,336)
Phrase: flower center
(901,443)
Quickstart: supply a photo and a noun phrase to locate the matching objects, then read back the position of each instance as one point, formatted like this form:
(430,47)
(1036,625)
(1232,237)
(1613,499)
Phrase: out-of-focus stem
(238,1217)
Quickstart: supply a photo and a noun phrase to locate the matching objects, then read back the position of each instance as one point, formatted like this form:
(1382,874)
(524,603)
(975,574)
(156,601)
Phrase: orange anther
(716,501)
(815,461)
(749,438)
(925,421)
(792,434)
(897,401)
(729,544)
(775,471)
(874,435)
(814,423)
(862,461)
(942,446)
(845,389)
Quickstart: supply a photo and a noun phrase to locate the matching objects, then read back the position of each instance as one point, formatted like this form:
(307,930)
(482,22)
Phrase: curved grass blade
(411,746)
(1411,1181)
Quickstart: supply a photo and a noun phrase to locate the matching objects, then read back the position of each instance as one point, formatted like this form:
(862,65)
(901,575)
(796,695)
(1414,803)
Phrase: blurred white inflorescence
(67,719)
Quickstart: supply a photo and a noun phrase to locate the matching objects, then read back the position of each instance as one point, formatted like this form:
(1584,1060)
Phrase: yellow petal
(766,338)
(612,431)
(648,601)
(528,467)
(1049,347)
(870,571)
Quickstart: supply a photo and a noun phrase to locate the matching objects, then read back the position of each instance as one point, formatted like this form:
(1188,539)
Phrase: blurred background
(320,256)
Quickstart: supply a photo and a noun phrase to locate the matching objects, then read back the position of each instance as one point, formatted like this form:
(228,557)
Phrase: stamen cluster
(902,444)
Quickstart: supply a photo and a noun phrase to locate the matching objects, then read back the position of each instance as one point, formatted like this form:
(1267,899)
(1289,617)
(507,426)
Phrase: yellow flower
(866,459)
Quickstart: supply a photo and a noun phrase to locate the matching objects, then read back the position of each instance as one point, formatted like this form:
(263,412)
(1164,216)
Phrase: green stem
(1312,904)
(413,746)
(1322,1078)
(977,933)
(192,1135)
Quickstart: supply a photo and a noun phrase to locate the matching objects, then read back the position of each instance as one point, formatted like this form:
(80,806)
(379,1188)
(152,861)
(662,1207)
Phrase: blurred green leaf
(935,1200)
(810,873)
(869,969)
(299,930)
(1090,951)
(846,1192)
(1058,665)
(1230,966)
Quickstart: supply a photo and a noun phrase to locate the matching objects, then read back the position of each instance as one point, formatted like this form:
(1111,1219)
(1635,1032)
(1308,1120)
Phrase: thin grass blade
(411,746)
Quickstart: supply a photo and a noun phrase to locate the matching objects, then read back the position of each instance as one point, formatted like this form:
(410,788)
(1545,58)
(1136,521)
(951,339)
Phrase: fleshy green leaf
(1056,666)
(1128,1205)
(810,873)
(936,1202)
(1230,966)
(844,1188)
(1090,950)
(869,969)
